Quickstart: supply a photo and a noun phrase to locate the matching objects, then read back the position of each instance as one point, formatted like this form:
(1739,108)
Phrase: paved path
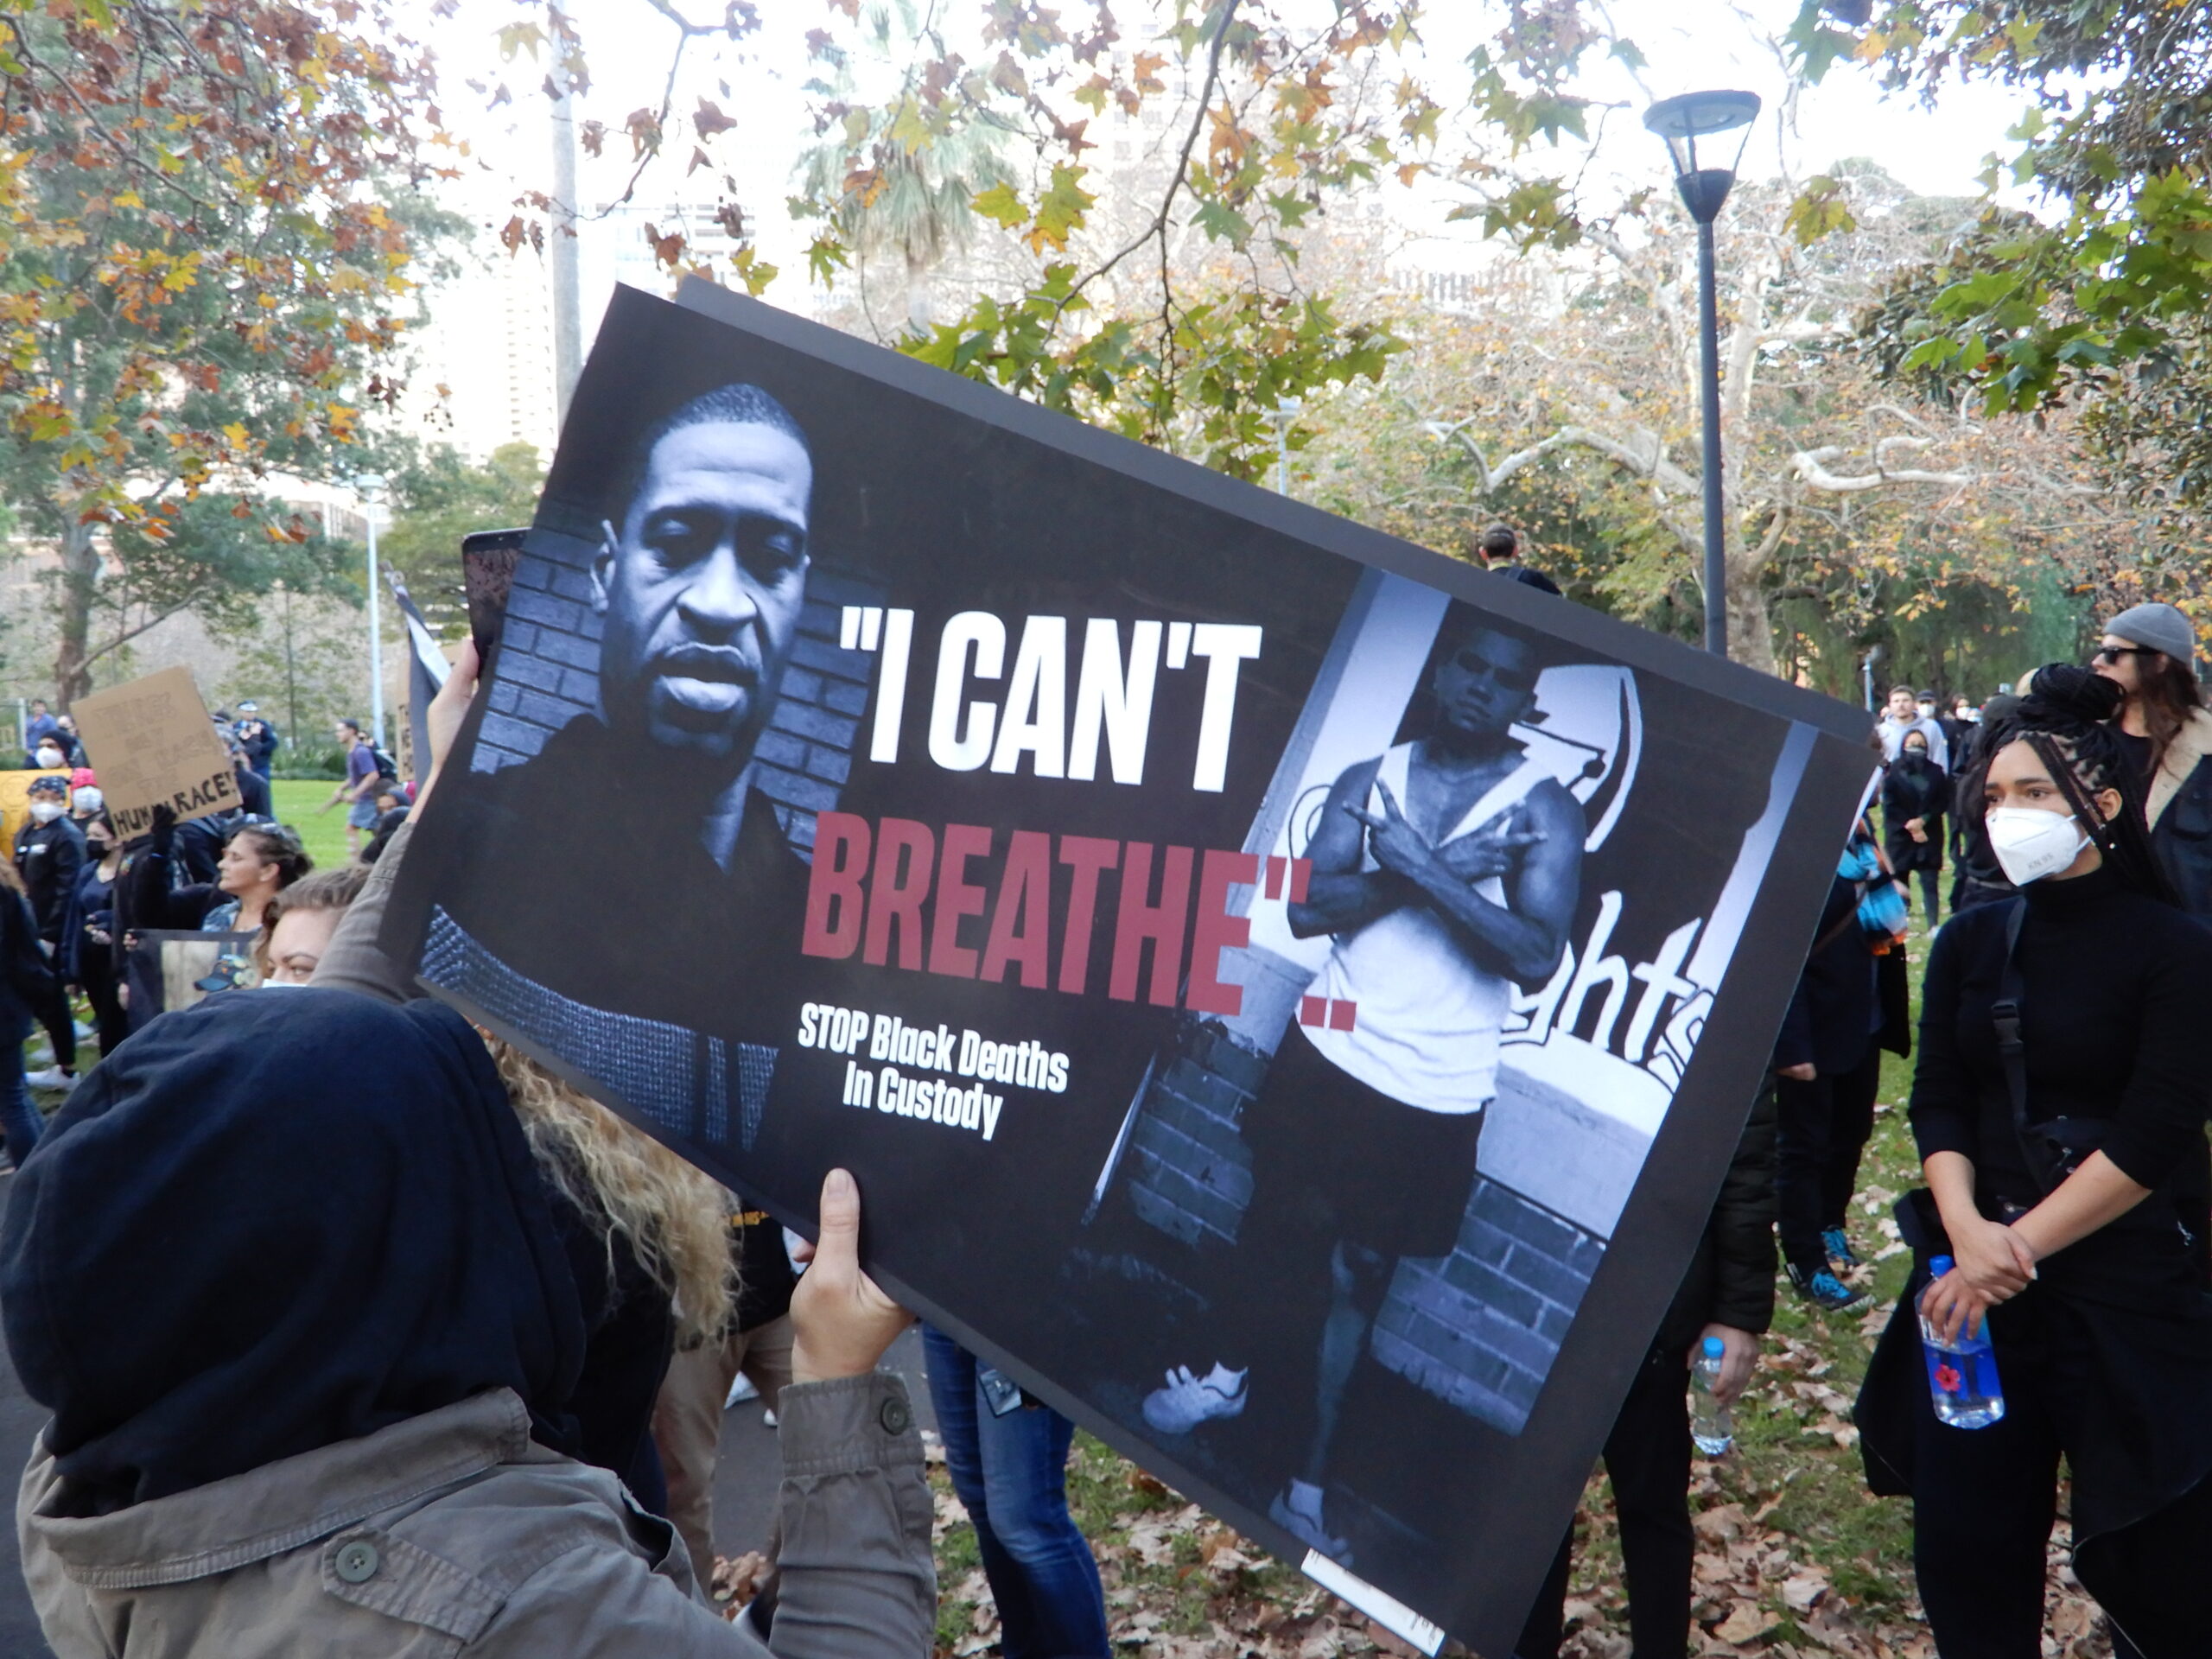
(744,1482)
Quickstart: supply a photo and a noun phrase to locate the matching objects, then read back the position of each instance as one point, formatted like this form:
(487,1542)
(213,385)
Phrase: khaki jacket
(454,1534)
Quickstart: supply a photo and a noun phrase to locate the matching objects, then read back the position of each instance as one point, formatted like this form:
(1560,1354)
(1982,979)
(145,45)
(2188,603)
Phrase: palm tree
(892,196)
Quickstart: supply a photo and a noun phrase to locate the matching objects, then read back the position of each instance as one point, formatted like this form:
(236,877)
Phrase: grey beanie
(2162,628)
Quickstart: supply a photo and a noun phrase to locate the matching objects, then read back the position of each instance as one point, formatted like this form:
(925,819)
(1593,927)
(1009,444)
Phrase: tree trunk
(81,574)
(1750,628)
(918,306)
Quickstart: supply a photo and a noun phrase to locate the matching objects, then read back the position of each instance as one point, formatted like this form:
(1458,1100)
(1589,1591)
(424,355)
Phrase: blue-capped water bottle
(1712,1425)
(1962,1372)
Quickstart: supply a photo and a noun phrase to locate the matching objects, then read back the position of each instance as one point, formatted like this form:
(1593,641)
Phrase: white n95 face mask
(2030,844)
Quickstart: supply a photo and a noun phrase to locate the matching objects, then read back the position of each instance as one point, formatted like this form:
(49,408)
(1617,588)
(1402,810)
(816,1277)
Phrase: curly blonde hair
(674,1217)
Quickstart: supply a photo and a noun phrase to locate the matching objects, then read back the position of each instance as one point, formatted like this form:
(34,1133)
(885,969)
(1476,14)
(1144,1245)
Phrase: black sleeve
(154,904)
(68,857)
(1945,1102)
(1893,813)
(2163,1109)
(1793,1044)
(1742,1229)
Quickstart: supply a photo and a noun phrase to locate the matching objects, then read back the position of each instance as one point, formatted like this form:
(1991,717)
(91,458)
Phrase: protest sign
(1198,920)
(426,672)
(15,802)
(153,745)
(167,969)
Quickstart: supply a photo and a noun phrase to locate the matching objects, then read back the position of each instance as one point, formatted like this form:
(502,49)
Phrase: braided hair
(2066,719)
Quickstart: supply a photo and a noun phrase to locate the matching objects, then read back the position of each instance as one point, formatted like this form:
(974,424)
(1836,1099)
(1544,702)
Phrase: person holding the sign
(1446,870)
(2060,1104)
(350,1418)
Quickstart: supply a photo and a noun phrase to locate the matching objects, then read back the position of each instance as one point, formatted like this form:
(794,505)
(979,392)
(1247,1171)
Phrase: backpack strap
(2043,1147)
(2004,1014)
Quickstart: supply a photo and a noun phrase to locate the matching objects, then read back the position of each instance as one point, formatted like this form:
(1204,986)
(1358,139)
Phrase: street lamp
(1681,122)
(370,486)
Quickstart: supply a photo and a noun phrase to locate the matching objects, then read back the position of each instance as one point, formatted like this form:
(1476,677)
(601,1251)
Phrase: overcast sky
(1690,44)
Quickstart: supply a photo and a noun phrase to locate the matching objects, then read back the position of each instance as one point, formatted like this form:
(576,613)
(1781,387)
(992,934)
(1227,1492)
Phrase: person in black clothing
(393,807)
(254,799)
(257,737)
(2066,1182)
(1828,1068)
(24,976)
(1728,1292)
(49,851)
(1916,794)
(1500,548)
(700,577)
(86,958)
(2150,653)
(1978,878)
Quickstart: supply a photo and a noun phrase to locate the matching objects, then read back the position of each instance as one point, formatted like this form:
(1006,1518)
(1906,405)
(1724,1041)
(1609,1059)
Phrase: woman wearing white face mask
(2060,1103)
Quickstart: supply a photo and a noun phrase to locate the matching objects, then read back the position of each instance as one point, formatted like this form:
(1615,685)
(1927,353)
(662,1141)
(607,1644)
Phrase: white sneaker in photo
(85,1033)
(739,1391)
(53,1078)
(1297,1510)
(1187,1400)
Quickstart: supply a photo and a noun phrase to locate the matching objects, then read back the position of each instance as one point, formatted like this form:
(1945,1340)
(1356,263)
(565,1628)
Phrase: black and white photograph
(1288,998)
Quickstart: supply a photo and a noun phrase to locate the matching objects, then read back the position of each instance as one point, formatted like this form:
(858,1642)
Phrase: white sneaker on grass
(51,1077)
(1187,1400)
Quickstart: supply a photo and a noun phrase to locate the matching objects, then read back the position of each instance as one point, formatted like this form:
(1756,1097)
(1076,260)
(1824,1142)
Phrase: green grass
(295,802)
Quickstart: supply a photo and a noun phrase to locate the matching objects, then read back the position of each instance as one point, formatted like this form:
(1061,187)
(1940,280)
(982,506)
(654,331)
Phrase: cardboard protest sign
(16,803)
(153,745)
(168,969)
(1198,921)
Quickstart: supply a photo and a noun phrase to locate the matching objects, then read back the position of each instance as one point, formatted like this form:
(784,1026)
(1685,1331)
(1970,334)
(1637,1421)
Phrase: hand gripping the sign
(842,1321)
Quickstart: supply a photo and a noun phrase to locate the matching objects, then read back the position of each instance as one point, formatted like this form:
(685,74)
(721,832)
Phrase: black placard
(882,772)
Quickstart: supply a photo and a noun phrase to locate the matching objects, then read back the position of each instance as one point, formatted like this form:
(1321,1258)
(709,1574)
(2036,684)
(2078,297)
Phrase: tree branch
(1811,466)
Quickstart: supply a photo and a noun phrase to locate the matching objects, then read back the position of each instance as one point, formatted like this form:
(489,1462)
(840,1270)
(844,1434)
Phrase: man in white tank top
(1446,871)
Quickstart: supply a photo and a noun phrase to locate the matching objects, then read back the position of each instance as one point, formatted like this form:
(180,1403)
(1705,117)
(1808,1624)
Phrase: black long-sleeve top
(2115,1005)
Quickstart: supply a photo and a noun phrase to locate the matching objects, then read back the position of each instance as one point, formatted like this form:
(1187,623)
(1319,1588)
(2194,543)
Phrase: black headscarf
(278,1220)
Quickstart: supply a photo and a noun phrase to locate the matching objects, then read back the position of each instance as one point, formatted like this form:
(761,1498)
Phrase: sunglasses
(2114,653)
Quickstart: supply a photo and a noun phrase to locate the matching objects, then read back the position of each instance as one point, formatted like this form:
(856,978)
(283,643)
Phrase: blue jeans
(18,1117)
(1010,1472)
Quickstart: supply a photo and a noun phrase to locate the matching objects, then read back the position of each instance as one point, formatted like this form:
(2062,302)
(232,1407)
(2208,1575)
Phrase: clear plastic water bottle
(1962,1373)
(1710,1424)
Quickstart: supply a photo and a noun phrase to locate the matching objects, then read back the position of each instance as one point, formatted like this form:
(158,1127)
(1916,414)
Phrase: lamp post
(1681,122)
(370,486)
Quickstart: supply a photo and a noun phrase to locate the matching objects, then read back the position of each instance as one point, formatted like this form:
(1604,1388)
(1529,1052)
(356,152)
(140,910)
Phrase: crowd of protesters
(500,1344)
